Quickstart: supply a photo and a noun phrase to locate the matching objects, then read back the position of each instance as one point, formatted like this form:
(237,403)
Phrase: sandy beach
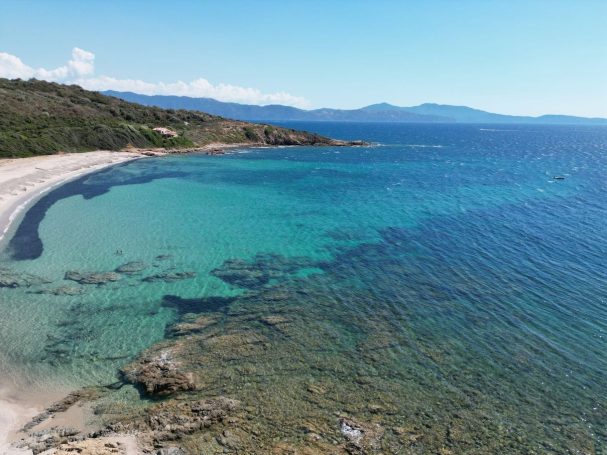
(13,415)
(23,180)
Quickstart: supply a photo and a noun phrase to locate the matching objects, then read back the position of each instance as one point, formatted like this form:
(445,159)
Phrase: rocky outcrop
(159,375)
(163,425)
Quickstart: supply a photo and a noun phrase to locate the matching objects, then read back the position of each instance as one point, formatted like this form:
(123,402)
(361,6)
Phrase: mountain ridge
(379,112)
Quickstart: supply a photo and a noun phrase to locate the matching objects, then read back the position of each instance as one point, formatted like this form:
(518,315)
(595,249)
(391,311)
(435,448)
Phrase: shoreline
(24,180)
(17,408)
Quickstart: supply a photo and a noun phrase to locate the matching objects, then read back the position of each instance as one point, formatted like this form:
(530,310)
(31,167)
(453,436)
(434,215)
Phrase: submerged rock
(159,375)
(241,273)
(92,277)
(64,290)
(130,268)
(12,279)
(189,327)
(169,277)
(260,270)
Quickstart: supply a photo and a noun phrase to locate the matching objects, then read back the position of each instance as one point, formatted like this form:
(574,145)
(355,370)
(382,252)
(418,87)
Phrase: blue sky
(516,57)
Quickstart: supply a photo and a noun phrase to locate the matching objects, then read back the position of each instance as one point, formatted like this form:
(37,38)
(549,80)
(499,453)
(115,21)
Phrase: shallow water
(443,276)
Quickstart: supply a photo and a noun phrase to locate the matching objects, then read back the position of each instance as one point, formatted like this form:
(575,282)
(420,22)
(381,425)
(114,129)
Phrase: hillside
(381,112)
(40,118)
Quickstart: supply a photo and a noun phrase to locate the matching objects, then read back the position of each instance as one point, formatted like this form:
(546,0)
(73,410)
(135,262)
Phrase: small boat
(558,177)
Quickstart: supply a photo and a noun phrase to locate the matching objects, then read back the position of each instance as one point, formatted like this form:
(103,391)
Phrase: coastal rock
(171,451)
(68,445)
(169,277)
(131,268)
(92,277)
(188,327)
(166,423)
(45,440)
(62,406)
(362,437)
(12,279)
(159,375)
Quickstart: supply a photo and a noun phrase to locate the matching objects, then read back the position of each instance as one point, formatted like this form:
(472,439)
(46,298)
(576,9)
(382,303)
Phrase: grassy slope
(41,118)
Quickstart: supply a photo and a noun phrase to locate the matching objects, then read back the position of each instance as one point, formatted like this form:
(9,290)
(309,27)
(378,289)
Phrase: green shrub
(251,134)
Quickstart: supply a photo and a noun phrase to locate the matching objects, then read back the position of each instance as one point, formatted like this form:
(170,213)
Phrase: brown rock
(159,375)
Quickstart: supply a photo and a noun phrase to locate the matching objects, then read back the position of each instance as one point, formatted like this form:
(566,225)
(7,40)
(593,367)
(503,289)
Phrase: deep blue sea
(440,283)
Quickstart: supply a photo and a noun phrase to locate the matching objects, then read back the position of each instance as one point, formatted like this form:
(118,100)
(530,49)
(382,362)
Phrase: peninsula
(42,118)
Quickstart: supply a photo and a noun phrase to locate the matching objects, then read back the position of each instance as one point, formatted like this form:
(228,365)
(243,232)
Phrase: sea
(447,283)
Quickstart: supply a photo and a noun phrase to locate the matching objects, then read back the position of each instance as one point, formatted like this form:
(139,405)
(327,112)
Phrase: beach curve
(24,180)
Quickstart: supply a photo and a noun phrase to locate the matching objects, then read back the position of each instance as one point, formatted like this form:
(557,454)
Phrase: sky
(515,57)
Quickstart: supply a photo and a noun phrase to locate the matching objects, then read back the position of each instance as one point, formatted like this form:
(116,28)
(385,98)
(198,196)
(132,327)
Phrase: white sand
(13,415)
(23,180)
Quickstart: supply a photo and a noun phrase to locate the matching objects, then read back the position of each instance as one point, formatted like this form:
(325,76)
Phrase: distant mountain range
(383,112)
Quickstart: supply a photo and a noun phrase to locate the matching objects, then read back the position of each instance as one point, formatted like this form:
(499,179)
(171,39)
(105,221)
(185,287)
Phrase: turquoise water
(445,263)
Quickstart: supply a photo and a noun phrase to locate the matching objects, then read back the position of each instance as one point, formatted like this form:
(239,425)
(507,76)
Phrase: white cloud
(82,62)
(81,70)
(12,67)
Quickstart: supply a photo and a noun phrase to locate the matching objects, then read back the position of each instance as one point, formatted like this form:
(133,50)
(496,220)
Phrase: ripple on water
(462,311)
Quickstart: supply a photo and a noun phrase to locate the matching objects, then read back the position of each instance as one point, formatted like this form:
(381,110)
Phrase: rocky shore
(221,148)
(281,369)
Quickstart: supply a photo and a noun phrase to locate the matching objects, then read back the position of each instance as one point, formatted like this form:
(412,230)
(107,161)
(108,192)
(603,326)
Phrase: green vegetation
(40,118)
(250,134)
